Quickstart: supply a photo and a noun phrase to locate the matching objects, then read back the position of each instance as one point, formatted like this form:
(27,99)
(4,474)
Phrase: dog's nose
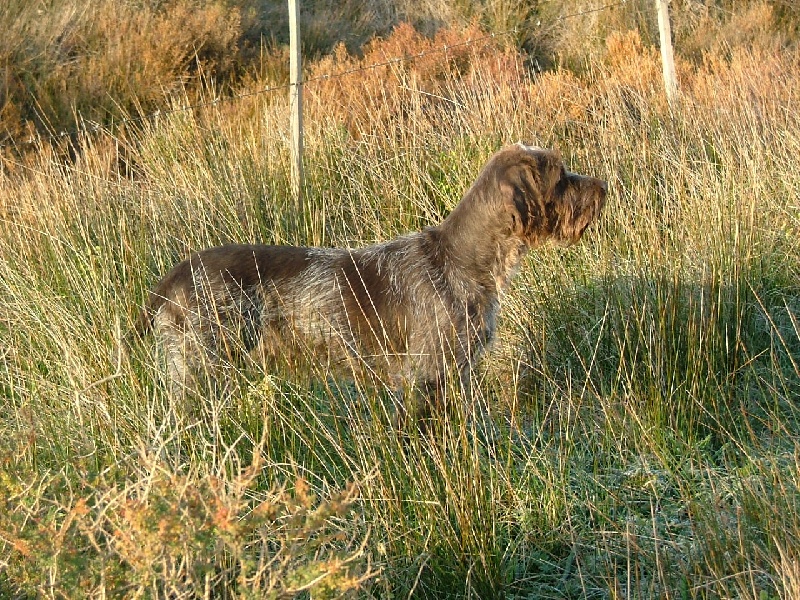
(603,186)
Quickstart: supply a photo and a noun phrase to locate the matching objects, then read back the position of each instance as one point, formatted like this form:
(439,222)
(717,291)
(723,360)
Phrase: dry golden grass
(100,61)
(643,390)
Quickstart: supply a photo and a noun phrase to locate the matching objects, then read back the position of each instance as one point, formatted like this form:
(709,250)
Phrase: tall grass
(643,389)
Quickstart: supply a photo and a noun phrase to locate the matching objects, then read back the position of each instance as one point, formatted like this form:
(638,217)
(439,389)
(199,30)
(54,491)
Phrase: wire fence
(92,127)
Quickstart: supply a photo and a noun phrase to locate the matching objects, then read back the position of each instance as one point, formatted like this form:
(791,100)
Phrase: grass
(643,387)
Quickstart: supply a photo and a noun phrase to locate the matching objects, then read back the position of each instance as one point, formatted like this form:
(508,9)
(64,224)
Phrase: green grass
(643,387)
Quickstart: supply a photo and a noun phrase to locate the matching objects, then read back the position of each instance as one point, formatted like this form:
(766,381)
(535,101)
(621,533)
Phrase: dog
(409,309)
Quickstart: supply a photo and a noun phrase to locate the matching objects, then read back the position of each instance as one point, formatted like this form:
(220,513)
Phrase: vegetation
(643,391)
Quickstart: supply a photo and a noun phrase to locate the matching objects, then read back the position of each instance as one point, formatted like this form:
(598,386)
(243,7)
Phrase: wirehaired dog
(408,309)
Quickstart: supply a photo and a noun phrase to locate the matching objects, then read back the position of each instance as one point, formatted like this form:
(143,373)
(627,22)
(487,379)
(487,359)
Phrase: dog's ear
(521,212)
(527,184)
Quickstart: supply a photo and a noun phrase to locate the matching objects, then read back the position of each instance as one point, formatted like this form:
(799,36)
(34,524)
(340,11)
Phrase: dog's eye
(561,180)
(561,183)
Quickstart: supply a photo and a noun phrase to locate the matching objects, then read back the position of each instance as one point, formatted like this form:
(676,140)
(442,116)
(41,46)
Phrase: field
(643,389)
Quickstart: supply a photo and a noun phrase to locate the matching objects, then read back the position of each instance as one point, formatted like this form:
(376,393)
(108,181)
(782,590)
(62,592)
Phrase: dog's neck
(477,243)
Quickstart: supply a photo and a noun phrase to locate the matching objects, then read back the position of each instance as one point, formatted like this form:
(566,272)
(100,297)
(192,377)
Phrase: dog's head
(540,199)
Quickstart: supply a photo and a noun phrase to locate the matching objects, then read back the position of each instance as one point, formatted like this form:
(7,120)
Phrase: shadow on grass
(704,360)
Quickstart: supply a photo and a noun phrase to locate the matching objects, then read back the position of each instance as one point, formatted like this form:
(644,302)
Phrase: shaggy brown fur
(405,309)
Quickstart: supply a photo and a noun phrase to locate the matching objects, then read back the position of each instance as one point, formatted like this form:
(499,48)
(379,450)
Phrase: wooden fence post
(667,61)
(296,102)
